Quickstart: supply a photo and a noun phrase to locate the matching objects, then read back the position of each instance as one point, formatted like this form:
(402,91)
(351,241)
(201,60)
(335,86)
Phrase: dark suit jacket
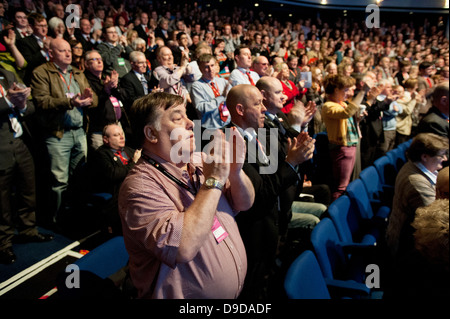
(104,113)
(87,45)
(159,34)
(259,225)
(131,88)
(293,191)
(141,33)
(7,78)
(433,122)
(30,50)
(107,171)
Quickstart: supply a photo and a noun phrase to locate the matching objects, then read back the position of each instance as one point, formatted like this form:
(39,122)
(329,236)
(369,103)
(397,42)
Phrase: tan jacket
(404,119)
(50,98)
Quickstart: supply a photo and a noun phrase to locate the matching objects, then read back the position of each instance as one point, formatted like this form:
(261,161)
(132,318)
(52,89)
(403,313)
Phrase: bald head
(60,53)
(244,101)
(272,91)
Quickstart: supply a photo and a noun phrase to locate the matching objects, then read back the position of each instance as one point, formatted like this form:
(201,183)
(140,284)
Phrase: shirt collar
(431,175)
(69,68)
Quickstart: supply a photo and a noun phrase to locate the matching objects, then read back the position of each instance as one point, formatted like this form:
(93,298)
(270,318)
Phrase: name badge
(218,231)
(70,95)
(121,61)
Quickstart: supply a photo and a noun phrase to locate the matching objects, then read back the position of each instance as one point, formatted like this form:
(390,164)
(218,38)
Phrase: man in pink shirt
(178,207)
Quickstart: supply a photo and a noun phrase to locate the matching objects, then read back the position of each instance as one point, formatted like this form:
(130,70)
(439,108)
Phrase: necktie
(277,121)
(429,82)
(215,89)
(15,124)
(223,112)
(88,39)
(144,84)
(261,152)
(250,78)
(122,159)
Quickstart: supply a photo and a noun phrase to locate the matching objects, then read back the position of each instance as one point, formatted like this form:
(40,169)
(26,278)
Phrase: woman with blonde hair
(289,88)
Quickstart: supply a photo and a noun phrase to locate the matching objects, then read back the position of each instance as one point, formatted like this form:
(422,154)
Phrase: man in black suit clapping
(16,169)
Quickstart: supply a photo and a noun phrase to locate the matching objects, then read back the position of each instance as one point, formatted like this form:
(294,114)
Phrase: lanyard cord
(170,176)
(64,80)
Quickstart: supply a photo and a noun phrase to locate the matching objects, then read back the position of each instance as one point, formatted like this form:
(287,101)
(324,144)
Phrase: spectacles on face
(41,26)
(78,48)
(140,63)
(95,60)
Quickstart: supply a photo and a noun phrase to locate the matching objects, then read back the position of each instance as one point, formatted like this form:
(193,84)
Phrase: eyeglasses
(41,25)
(95,60)
(141,63)
(79,48)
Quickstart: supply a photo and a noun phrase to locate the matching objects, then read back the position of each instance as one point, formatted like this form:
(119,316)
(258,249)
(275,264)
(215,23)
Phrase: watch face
(209,182)
(212,182)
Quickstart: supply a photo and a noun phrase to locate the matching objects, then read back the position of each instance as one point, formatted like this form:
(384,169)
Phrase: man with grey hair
(135,83)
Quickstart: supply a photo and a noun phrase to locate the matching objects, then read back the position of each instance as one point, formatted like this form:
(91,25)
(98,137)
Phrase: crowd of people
(99,93)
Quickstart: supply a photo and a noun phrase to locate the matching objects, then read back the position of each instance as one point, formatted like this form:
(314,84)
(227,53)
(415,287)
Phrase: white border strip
(36,268)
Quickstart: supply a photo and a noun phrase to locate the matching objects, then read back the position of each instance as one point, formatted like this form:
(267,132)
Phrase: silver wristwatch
(211,182)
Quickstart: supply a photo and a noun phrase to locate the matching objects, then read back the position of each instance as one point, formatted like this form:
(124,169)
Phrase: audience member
(137,82)
(179,228)
(442,184)
(338,116)
(304,214)
(17,178)
(436,120)
(62,94)
(415,186)
(114,51)
(259,225)
(173,78)
(261,66)
(428,260)
(389,118)
(21,27)
(34,47)
(290,90)
(209,95)
(110,108)
(242,74)
(83,34)
(408,98)
(108,167)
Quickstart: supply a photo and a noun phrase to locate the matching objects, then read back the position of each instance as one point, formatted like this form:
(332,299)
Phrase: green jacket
(50,98)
